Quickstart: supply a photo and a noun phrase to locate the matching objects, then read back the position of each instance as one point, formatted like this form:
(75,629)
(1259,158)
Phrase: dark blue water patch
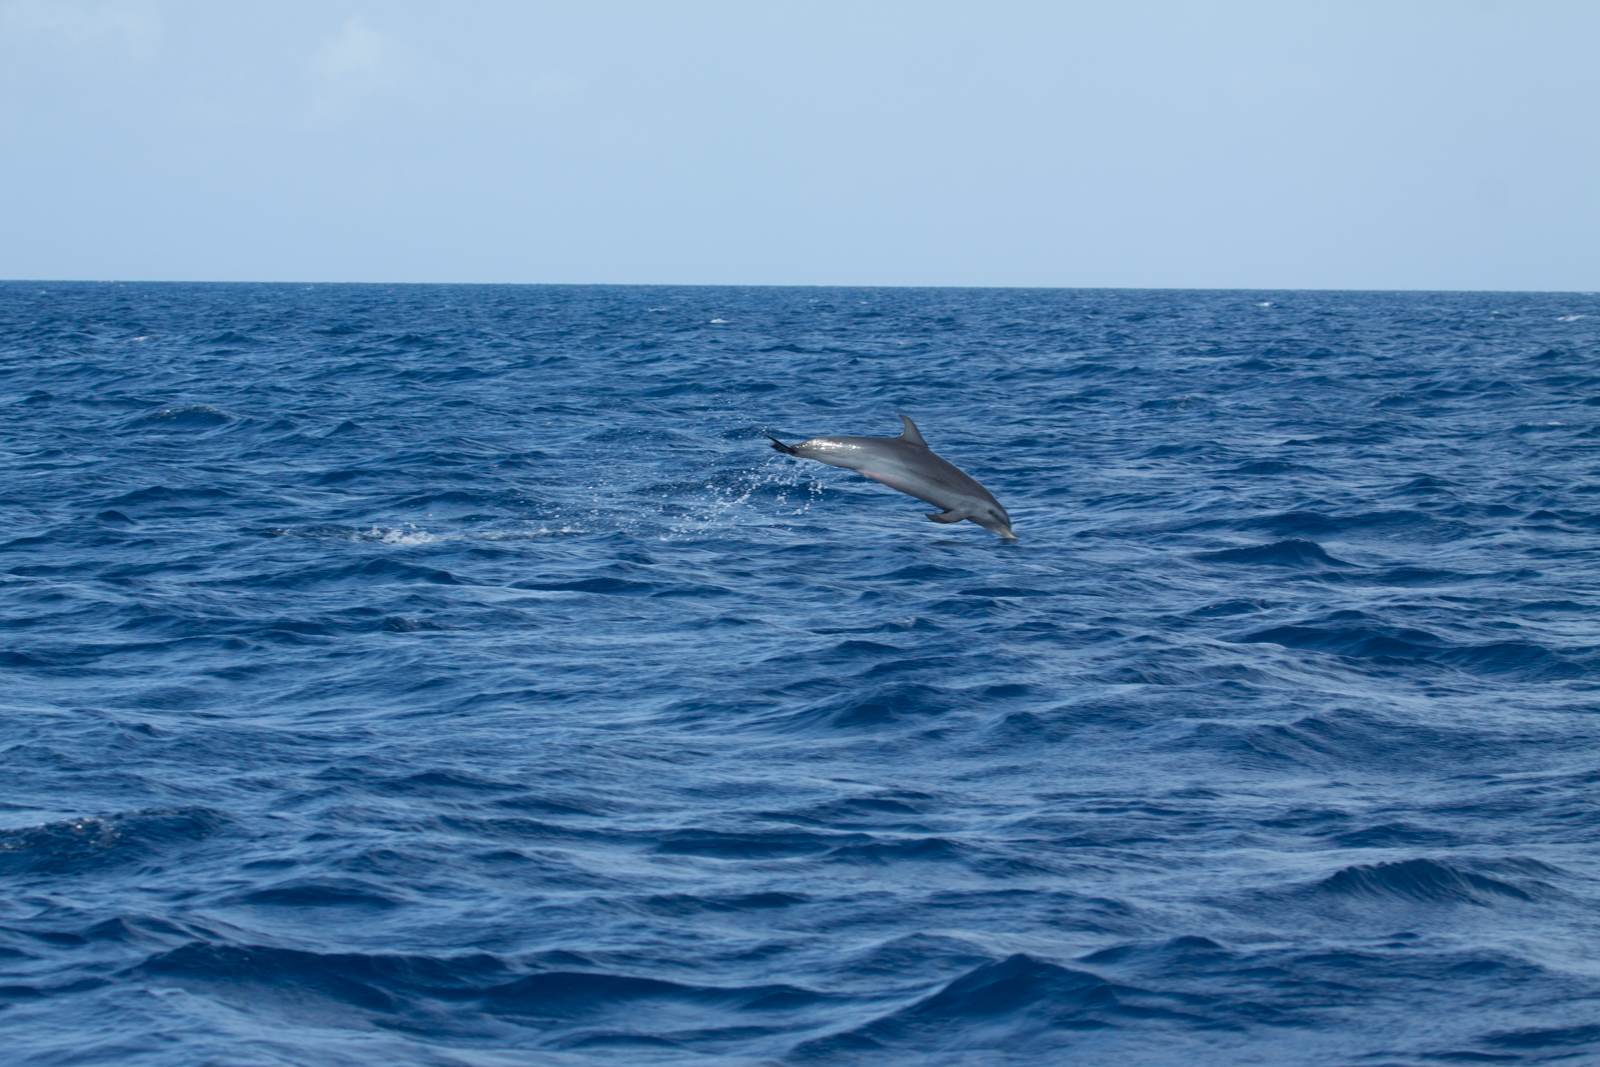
(1356,635)
(374,983)
(89,845)
(1266,466)
(454,674)
(161,494)
(1342,741)
(184,417)
(1556,1039)
(1291,553)
(1229,607)
(1395,835)
(747,846)
(1017,1004)
(1419,576)
(475,996)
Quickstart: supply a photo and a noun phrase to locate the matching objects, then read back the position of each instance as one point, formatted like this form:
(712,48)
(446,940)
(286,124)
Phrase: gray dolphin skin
(907,463)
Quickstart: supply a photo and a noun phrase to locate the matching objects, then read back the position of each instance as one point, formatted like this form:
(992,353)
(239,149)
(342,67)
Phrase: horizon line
(796,285)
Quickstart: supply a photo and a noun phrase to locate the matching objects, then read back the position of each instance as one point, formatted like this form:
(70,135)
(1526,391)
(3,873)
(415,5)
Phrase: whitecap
(529,534)
(390,535)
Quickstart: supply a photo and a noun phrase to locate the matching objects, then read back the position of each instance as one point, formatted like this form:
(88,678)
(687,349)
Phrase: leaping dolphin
(907,463)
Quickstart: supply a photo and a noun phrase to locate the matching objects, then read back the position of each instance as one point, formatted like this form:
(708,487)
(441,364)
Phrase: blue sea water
(454,675)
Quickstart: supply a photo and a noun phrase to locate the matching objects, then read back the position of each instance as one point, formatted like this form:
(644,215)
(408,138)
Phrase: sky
(1290,144)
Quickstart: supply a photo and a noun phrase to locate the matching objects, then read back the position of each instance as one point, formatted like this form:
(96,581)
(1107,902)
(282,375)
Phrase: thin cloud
(352,69)
(356,52)
(129,27)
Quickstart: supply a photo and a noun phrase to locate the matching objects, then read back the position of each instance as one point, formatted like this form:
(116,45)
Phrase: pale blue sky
(1393,145)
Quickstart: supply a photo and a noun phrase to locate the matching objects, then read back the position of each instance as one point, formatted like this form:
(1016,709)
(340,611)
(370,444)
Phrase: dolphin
(907,463)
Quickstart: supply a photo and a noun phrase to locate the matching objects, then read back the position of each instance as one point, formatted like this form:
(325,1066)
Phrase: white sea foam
(389,535)
(531,533)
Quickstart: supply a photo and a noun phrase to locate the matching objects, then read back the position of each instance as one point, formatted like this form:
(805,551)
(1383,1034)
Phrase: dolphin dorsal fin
(910,434)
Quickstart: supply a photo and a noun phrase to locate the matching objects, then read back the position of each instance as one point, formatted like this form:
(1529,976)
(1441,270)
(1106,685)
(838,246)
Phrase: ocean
(453,675)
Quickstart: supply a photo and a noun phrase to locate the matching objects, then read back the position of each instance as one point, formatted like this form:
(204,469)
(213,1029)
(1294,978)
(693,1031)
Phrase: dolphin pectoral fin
(949,516)
(910,434)
(779,445)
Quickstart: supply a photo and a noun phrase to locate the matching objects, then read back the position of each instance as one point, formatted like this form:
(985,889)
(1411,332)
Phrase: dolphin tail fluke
(779,445)
(949,516)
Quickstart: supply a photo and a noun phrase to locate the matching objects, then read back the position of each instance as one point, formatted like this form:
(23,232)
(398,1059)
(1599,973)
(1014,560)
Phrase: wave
(99,843)
(462,995)
(1017,1005)
(1426,881)
(182,417)
(161,494)
(1290,553)
(1358,636)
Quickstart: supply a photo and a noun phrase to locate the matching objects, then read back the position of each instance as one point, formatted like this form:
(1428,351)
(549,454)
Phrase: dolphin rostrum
(907,464)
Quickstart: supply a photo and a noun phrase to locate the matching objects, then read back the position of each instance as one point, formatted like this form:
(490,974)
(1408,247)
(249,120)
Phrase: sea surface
(453,675)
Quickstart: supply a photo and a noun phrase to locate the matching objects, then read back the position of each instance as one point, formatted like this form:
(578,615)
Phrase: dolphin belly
(937,492)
